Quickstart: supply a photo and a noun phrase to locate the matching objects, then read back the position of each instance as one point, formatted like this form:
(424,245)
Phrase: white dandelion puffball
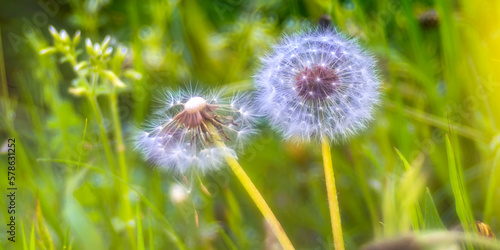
(318,83)
(183,131)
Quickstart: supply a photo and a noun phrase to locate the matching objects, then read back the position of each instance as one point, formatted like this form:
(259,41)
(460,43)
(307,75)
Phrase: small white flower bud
(77,91)
(64,36)
(105,42)
(113,78)
(97,49)
(89,47)
(76,38)
(48,51)
(80,66)
(132,74)
(53,31)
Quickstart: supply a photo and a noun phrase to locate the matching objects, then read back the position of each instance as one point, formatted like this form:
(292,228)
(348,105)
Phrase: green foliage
(462,205)
(431,215)
(72,104)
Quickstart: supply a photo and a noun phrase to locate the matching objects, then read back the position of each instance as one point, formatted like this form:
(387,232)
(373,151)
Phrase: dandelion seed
(183,135)
(178,194)
(330,77)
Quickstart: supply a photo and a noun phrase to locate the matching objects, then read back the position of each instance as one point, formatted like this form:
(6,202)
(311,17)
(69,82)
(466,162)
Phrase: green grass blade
(230,244)
(405,162)
(85,230)
(416,212)
(32,236)
(140,236)
(462,206)
(432,221)
(151,233)
(489,206)
(25,242)
(42,229)
(66,243)
(170,231)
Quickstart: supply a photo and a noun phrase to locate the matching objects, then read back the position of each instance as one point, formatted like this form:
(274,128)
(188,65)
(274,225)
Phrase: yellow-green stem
(255,195)
(333,202)
(123,173)
(260,202)
(104,137)
(120,147)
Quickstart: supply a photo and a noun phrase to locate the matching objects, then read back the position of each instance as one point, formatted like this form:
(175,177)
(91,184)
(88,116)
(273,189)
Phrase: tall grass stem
(102,131)
(122,163)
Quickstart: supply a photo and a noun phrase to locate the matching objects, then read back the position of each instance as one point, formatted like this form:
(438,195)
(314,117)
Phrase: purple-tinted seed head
(318,83)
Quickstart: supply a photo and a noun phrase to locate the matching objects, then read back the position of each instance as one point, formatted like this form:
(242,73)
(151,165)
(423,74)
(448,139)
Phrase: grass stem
(104,137)
(122,163)
(333,202)
(120,147)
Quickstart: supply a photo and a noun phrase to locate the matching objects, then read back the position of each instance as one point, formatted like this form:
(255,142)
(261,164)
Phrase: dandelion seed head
(318,83)
(182,136)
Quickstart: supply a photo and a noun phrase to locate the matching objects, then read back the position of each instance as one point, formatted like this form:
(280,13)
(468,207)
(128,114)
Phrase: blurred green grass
(439,112)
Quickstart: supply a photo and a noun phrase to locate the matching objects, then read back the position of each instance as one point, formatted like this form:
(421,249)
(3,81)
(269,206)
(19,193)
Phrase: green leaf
(405,162)
(431,216)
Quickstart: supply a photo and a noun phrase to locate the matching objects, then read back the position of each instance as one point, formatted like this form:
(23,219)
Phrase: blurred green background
(439,62)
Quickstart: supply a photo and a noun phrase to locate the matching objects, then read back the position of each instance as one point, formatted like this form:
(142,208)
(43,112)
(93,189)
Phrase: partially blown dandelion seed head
(318,83)
(182,132)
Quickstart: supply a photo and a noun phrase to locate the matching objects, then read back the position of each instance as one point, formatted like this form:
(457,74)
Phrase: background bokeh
(439,61)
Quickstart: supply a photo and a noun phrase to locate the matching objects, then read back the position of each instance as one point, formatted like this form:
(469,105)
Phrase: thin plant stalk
(107,149)
(255,195)
(97,113)
(120,147)
(95,109)
(333,202)
(122,163)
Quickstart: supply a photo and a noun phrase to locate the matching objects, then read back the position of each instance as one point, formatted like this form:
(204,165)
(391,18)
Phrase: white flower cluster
(318,83)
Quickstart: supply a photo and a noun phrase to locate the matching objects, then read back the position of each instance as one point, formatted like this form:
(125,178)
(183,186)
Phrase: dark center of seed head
(316,82)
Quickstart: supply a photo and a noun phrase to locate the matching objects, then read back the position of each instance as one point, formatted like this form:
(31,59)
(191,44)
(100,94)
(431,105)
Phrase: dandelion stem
(255,195)
(260,202)
(333,202)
